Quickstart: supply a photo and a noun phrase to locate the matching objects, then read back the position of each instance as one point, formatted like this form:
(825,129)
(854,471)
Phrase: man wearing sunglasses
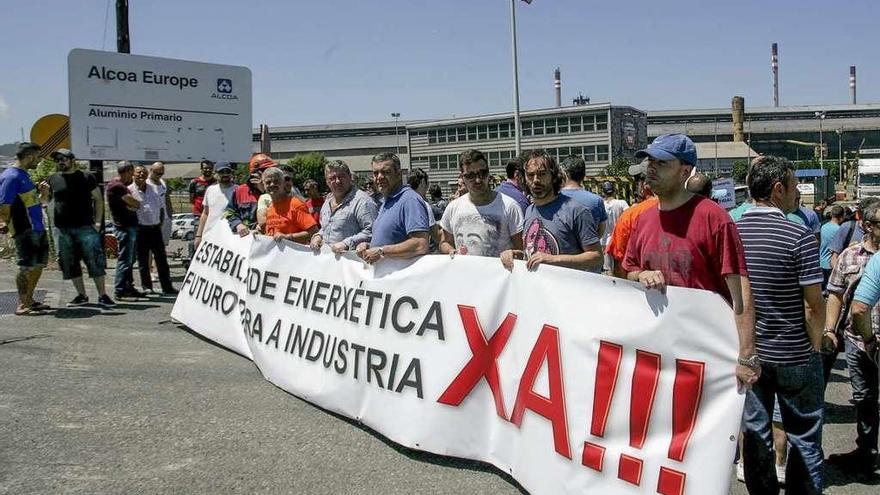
(482,222)
(78,210)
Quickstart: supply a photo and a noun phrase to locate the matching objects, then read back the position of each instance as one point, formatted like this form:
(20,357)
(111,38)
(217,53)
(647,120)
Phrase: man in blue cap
(690,241)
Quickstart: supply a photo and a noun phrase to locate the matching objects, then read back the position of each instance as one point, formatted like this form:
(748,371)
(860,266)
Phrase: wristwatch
(750,362)
(381,252)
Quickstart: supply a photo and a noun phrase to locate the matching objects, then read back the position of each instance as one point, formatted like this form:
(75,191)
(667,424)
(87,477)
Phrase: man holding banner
(401,229)
(348,214)
(287,218)
(689,241)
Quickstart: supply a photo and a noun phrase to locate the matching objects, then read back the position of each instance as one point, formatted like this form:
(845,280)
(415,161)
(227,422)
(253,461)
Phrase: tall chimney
(852,82)
(774,64)
(739,106)
(557,83)
(265,141)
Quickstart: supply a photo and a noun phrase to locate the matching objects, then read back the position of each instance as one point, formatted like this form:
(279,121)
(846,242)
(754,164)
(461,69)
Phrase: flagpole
(516,123)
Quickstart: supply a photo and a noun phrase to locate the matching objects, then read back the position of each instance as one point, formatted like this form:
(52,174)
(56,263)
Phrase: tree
(740,170)
(176,183)
(308,166)
(618,168)
(45,168)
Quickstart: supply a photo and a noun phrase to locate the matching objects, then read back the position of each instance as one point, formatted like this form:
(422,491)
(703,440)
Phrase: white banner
(569,381)
(131,107)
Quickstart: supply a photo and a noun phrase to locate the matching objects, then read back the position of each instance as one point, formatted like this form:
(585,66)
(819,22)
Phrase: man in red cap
(242,210)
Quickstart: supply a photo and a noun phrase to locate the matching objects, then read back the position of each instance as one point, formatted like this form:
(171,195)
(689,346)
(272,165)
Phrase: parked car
(184,228)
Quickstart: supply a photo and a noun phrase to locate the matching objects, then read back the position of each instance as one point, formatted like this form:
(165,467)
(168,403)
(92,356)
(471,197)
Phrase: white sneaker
(780,474)
(740,472)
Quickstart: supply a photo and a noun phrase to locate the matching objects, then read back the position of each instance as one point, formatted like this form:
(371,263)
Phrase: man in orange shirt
(288,218)
(624,226)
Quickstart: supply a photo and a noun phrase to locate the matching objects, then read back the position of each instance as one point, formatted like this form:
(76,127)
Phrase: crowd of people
(801,291)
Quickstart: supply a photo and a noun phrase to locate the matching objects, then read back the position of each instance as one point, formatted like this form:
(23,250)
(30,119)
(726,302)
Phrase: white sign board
(724,193)
(807,189)
(131,107)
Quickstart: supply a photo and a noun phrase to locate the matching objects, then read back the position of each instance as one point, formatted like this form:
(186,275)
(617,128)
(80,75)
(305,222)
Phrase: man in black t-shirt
(78,209)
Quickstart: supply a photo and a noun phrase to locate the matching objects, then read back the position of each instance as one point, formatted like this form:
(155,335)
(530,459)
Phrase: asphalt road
(124,401)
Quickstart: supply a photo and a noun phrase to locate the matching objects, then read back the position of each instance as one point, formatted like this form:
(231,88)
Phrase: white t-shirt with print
(482,230)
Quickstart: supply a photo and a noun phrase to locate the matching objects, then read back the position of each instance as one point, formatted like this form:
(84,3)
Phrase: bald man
(699,184)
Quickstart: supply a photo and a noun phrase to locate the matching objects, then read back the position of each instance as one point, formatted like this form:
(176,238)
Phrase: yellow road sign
(51,132)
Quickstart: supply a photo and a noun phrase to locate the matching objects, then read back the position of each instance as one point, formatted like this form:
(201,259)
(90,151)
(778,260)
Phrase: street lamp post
(516,123)
(396,116)
(839,132)
(821,116)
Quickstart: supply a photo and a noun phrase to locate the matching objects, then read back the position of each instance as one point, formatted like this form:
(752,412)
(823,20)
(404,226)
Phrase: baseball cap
(223,167)
(62,152)
(260,161)
(607,187)
(669,147)
(639,168)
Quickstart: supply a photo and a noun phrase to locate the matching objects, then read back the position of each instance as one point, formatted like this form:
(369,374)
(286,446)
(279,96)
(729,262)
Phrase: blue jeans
(864,380)
(800,390)
(126,247)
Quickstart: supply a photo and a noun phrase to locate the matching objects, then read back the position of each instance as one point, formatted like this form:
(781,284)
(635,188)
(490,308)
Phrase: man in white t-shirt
(481,222)
(613,208)
(217,197)
(157,171)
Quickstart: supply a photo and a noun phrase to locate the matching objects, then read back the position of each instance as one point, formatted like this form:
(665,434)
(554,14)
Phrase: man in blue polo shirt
(402,228)
(783,264)
(21,217)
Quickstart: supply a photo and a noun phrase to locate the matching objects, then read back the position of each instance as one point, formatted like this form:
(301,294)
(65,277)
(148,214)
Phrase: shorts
(32,249)
(78,244)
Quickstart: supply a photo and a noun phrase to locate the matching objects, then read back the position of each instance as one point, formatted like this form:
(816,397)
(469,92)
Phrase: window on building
(601,122)
(441,136)
(526,128)
(504,130)
(482,132)
(434,162)
(602,152)
(472,133)
(575,123)
(589,123)
(550,126)
(562,125)
(538,127)
(453,161)
(493,131)
(462,134)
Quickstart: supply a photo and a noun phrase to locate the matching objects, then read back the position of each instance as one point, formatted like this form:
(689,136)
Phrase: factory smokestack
(739,106)
(852,83)
(774,64)
(557,84)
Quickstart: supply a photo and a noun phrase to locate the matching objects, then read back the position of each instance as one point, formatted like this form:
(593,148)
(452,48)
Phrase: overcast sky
(357,61)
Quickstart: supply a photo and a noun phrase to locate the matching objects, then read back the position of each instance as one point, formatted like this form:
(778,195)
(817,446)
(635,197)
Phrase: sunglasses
(473,175)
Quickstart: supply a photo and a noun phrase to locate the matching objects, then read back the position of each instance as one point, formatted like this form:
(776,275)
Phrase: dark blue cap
(669,147)
(223,166)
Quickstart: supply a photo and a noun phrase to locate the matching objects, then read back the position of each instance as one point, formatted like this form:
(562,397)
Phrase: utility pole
(516,123)
(396,116)
(123,42)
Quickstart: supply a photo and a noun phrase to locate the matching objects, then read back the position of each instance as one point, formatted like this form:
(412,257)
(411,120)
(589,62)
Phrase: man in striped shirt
(783,265)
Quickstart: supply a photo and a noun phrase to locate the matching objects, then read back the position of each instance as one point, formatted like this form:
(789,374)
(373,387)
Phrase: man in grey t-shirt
(557,230)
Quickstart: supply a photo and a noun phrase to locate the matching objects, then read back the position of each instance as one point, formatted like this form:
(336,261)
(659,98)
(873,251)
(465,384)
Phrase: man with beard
(199,185)
(78,209)
(690,241)
(557,230)
(123,208)
(482,222)
(347,215)
(217,198)
(401,229)
(21,217)
(149,232)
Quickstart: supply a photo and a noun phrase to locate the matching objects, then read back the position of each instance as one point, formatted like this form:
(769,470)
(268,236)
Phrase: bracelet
(314,235)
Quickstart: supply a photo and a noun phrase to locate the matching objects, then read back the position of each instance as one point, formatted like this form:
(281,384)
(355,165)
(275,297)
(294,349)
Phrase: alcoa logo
(224,90)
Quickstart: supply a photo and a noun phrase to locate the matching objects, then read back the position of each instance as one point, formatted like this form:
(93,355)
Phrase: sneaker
(740,472)
(169,292)
(106,302)
(780,474)
(856,460)
(79,300)
(131,294)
